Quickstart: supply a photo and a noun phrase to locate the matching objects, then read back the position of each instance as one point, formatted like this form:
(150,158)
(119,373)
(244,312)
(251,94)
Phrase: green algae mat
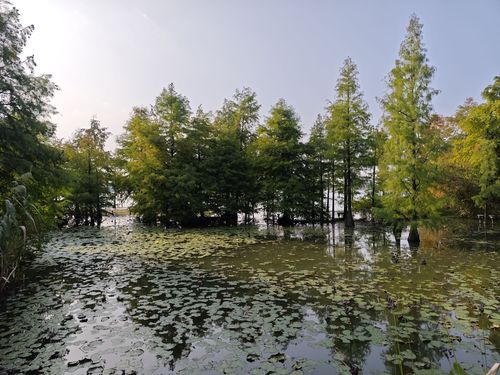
(131,300)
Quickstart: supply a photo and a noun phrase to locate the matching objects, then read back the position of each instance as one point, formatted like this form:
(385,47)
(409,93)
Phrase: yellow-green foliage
(408,170)
(477,149)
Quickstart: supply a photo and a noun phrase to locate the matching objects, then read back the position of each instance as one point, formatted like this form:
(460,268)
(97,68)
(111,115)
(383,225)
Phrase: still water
(132,300)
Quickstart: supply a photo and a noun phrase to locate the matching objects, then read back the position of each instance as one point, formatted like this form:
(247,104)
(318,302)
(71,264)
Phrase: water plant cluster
(248,301)
(230,299)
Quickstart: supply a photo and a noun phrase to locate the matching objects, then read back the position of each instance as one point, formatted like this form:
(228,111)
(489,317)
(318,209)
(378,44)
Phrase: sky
(108,56)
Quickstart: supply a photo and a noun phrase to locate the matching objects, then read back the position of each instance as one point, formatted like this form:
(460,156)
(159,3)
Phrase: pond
(131,300)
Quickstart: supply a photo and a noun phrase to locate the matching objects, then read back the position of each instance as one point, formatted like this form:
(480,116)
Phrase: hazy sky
(108,56)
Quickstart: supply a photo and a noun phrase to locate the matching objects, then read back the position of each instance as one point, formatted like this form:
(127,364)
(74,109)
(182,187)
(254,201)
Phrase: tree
(156,152)
(280,164)
(26,143)
(195,157)
(376,139)
(230,163)
(457,182)
(348,132)
(477,148)
(228,173)
(317,148)
(172,112)
(119,185)
(176,187)
(165,154)
(140,150)
(408,165)
(88,164)
(241,113)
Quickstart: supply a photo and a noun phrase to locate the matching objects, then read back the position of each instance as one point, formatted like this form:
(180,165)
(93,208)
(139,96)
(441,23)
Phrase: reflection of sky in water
(306,299)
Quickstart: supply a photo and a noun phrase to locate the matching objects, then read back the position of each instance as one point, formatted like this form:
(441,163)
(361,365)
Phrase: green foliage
(408,168)
(25,132)
(280,163)
(316,170)
(176,185)
(348,134)
(477,147)
(456,181)
(28,158)
(457,369)
(375,147)
(141,160)
(88,168)
(159,149)
(230,163)
(18,229)
(183,168)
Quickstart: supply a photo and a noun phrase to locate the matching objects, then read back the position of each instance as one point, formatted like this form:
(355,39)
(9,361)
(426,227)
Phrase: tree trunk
(333,191)
(396,230)
(286,219)
(372,218)
(348,219)
(92,218)
(413,236)
(78,214)
(345,191)
(98,212)
(322,195)
(327,196)
(233,219)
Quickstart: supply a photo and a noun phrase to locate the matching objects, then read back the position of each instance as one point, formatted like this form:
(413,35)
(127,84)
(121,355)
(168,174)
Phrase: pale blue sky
(110,55)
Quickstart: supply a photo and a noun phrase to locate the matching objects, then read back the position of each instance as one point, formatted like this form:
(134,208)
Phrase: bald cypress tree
(280,164)
(316,150)
(408,170)
(348,132)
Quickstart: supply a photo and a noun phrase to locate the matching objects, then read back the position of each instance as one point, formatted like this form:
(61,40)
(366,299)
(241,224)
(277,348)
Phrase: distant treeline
(187,167)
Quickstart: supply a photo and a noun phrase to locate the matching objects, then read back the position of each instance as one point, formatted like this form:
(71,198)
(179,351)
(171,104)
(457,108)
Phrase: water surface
(127,299)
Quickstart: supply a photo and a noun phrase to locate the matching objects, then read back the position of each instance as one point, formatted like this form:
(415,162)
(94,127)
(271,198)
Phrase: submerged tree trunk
(92,217)
(77,215)
(348,219)
(99,217)
(286,219)
(413,236)
(396,230)
(233,219)
(98,209)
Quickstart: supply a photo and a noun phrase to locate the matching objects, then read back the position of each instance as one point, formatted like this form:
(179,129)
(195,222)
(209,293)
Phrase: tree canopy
(408,167)
(186,167)
(348,132)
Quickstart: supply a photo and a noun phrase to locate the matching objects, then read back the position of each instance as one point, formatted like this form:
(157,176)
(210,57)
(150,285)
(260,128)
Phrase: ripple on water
(130,299)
